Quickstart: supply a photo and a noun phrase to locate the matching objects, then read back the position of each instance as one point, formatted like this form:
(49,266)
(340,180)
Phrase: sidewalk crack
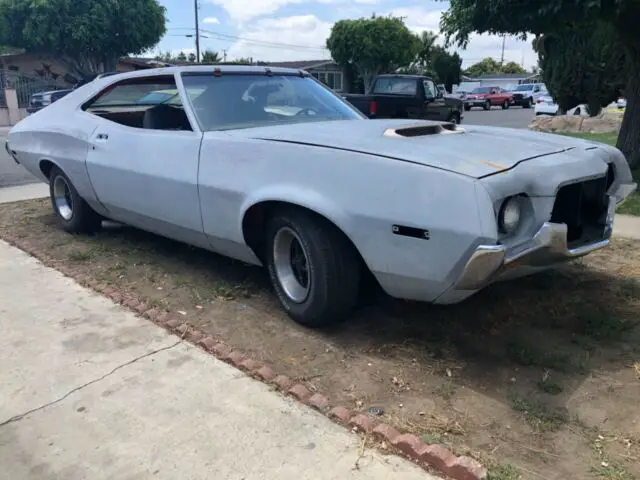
(19,417)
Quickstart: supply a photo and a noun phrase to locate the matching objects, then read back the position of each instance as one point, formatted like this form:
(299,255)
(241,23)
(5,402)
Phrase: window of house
(147,102)
(332,80)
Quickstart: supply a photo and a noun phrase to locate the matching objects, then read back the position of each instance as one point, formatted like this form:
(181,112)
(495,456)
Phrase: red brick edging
(411,446)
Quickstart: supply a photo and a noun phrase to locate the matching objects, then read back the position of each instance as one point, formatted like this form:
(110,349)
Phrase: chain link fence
(24,85)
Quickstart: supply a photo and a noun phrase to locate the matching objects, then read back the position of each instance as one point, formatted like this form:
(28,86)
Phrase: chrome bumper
(548,246)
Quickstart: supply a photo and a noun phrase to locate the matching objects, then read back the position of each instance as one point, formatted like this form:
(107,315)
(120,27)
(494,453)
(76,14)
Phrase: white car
(546,106)
(270,167)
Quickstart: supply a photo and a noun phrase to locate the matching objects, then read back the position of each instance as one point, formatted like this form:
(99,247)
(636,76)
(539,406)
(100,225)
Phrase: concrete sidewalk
(89,390)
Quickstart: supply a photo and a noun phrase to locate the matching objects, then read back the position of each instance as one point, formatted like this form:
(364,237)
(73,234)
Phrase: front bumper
(549,246)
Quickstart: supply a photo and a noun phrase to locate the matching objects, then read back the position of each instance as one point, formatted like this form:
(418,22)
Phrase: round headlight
(509,217)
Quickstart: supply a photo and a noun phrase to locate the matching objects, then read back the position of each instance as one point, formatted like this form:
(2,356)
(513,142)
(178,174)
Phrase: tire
(505,105)
(487,105)
(454,118)
(467,108)
(332,268)
(529,103)
(73,214)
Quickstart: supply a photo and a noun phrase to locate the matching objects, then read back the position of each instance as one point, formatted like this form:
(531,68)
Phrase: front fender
(302,197)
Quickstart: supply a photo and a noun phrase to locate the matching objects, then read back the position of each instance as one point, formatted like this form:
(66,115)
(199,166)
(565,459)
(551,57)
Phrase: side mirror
(429,99)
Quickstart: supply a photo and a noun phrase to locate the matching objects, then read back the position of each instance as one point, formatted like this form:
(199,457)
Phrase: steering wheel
(306,111)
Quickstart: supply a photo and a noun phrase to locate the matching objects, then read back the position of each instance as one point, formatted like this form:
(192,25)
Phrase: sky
(282,30)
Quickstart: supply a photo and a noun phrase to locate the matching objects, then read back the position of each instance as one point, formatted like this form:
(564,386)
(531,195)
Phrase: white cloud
(300,31)
(307,32)
(211,21)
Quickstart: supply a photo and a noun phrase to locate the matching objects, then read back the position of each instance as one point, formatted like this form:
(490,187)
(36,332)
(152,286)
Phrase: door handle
(102,136)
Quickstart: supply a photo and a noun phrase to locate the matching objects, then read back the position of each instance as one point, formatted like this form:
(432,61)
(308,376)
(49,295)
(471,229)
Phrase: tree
(582,64)
(182,57)
(210,57)
(465,17)
(86,36)
(372,45)
(486,66)
(426,45)
(446,67)
(512,67)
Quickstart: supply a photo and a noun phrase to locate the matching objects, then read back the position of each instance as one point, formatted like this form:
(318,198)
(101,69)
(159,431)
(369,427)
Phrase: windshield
(524,88)
(233,101)
(396,86)
(481,90)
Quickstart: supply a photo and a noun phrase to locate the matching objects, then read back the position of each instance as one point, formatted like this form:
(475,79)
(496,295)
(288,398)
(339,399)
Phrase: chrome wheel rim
(291,264)
(62,198)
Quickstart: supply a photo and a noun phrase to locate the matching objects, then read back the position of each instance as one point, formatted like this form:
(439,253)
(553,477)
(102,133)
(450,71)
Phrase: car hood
(474,151)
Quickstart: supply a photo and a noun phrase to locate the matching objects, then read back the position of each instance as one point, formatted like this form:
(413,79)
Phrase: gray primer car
(269,167)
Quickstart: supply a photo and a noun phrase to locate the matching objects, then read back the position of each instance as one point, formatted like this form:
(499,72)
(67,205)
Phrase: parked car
(39,100)
(487,97)
(325,198)
(407,96)
(527,95)
(547,106)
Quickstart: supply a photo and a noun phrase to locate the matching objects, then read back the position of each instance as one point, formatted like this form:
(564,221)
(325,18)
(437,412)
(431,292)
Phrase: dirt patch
(537,378)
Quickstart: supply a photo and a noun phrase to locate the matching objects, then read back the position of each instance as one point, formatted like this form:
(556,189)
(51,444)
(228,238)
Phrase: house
(502,79)
(32,68)
(327,71)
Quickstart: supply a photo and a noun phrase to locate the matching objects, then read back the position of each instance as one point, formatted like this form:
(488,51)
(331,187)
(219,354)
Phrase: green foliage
(210,57)
(583,64)
(446,67)
(488,66)
(520,18)
(87,35)
(372,45)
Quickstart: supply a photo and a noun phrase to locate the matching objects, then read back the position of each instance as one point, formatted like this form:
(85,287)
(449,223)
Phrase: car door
(435,108)
(143,158)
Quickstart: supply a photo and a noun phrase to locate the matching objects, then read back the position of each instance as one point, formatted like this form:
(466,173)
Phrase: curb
(432,456)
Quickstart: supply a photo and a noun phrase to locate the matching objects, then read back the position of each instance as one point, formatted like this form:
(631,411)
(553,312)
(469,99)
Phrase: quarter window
(149,102)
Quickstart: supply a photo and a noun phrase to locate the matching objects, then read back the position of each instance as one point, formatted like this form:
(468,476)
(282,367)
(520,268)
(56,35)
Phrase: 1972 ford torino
(270,167)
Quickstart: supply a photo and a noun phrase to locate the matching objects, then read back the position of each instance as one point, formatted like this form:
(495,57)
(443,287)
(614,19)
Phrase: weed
(80,256)
(503,472)
(539,416)
(446,390)
(608,470)
(526,354)
(602,326)
(550,387)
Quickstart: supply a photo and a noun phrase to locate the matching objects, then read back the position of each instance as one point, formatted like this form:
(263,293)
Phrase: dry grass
(519,376)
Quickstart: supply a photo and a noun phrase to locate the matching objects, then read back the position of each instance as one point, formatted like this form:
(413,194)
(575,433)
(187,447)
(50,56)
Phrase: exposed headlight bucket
(509,216)
(46,99)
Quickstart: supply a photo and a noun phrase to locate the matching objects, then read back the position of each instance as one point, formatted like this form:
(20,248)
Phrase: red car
(487,97)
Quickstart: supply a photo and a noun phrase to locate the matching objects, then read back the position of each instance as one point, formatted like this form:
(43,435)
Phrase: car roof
(257,69)
(402,75)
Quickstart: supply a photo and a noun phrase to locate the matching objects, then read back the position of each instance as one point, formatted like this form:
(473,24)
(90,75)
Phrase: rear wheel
(72,212)
(467,108)
(505,105)
(529,103)
(487,105)
(312,266)
(454,118)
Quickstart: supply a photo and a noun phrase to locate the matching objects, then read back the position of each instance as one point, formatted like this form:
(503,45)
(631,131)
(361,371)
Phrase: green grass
(632,205)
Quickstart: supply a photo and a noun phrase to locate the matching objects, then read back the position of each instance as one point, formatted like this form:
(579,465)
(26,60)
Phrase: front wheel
(312,266)
(467,108)
(455,118)
(487,105)
(529,103)
(505,105)
(73,213)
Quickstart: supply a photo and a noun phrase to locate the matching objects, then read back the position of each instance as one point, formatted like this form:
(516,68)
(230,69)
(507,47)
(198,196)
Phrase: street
(12,174)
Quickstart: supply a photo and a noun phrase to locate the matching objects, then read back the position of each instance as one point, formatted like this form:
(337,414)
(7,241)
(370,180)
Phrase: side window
(147,102)
(430,90)
(536,89)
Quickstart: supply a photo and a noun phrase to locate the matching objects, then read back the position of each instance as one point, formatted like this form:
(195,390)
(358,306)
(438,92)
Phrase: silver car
(270,167)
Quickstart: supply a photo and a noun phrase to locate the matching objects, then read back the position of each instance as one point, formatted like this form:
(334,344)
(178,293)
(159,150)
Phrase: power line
(223,36)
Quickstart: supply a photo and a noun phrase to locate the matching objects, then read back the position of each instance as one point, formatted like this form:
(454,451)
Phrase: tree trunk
(629,137)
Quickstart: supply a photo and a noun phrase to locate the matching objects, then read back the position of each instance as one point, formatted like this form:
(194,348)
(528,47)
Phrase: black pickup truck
(407,96)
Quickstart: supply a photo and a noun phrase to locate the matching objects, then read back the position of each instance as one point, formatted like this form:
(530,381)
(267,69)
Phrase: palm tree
(210,57)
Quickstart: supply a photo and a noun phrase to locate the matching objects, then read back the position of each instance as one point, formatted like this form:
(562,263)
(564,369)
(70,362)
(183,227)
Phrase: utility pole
(504,37)
(195,7)
(224,55)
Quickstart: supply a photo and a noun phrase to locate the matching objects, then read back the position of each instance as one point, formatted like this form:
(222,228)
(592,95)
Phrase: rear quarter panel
(363,195)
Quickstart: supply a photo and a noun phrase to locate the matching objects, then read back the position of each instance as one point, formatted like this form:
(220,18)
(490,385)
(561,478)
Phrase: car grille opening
(423,130)
(582,207)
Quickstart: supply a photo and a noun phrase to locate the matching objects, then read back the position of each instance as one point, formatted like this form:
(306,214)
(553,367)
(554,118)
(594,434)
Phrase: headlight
(46,99)
(509,216)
